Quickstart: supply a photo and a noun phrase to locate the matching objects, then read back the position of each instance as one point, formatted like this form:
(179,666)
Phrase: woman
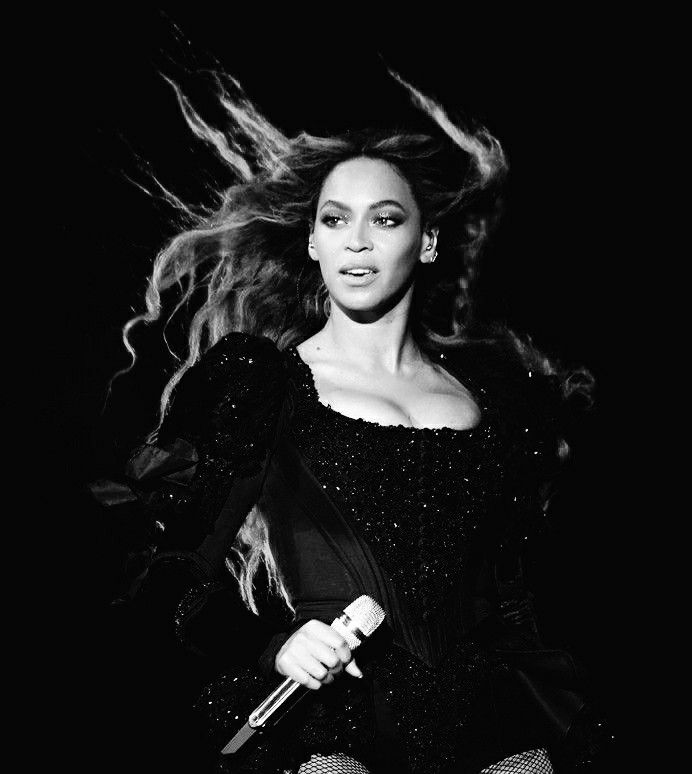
(342,426)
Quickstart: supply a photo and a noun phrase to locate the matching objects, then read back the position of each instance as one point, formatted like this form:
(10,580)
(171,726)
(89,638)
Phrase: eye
(331,219)
(387,220)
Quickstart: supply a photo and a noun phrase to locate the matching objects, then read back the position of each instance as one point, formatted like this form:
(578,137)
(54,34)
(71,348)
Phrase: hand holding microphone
(313,654)
(310,658)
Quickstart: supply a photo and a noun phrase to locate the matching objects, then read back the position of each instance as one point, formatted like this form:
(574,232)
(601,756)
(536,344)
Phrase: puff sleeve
(196,485)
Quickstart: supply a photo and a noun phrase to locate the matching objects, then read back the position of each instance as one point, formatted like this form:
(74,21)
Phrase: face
(368,236)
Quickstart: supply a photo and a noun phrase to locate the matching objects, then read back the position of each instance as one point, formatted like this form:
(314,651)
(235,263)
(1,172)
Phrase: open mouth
(358,272)
(359,277)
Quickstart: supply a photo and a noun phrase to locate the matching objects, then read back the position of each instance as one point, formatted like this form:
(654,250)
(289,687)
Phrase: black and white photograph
(337,397)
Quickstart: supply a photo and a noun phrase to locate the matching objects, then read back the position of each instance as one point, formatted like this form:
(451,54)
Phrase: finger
(353,669)
(339,646)
(298,674)
(326,655)
(316,633)
(334,640)
(299,657)
(313,667)
(344,653)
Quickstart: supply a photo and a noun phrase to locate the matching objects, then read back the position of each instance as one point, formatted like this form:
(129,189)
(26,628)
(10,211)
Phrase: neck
(382,344)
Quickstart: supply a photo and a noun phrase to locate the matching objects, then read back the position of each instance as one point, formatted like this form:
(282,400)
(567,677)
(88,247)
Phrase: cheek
(327,242)
(403,252)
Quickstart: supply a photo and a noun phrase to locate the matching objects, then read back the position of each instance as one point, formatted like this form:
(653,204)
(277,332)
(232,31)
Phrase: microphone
(359,620)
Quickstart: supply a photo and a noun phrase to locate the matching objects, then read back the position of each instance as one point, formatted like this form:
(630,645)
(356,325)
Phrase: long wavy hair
(241,264)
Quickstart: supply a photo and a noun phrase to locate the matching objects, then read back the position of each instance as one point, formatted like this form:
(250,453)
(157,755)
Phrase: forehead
(363,181)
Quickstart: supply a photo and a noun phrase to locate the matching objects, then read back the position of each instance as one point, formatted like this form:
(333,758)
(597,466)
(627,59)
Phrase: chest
(432,398)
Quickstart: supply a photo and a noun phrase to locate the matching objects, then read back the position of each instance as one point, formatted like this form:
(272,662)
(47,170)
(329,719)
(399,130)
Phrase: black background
(557,268)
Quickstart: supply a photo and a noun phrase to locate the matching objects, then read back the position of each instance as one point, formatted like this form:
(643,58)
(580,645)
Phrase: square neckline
(475,392)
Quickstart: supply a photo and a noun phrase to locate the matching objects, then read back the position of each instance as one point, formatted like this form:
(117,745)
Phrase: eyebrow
(375,206)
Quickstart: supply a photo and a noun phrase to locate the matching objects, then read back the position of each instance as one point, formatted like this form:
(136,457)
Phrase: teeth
(359,272)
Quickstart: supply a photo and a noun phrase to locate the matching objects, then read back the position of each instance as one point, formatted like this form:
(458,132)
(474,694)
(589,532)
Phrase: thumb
(352,669)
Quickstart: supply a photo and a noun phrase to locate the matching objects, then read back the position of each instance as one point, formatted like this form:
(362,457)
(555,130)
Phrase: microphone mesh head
(366,614)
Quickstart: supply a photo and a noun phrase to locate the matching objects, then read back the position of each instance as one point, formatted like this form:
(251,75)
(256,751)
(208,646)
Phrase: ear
(312,252)
(428,247)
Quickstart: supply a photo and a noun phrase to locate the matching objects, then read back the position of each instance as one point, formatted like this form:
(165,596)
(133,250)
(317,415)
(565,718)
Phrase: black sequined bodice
(418,495)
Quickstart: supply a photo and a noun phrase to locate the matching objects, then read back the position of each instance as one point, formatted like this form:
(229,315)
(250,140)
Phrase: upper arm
(225,414)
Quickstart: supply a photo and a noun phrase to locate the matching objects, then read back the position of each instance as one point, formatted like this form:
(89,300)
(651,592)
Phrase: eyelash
(328,220)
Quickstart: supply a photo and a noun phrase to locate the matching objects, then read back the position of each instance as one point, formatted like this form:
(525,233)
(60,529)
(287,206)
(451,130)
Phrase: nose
(358,238)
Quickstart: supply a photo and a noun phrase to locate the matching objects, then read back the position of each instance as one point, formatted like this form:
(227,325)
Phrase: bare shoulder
(313,349)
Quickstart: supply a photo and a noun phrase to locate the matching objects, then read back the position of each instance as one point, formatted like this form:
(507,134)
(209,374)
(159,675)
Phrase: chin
(363,298)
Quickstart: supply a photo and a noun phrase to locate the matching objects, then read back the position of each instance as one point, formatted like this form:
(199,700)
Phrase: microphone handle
(280,697)
(272,703)
(288,696)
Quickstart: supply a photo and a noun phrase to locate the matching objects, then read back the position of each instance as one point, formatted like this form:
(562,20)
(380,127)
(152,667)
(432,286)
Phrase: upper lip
(350,266)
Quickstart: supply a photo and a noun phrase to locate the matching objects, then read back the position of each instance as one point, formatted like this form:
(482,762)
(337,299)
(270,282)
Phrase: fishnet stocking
(332,764)
(529,762)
